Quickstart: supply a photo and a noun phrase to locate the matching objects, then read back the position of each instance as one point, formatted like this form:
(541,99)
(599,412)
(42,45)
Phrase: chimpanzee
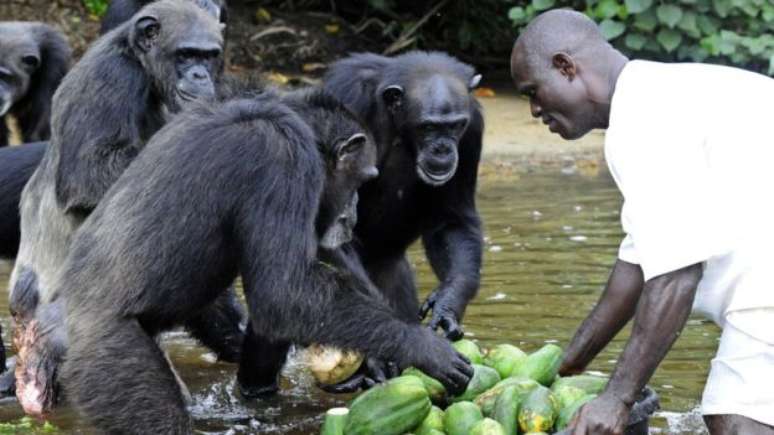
(108,106)
(428,130)
(33,59)
(16,167)
(257,193)
(120,11)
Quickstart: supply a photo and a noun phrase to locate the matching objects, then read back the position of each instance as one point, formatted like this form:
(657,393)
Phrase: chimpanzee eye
(30,61)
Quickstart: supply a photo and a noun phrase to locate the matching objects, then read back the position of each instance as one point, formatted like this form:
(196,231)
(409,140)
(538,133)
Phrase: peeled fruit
(330,365)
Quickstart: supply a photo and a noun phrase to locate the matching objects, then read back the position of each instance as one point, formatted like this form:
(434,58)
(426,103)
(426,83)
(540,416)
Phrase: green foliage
(738,32)
(96,7)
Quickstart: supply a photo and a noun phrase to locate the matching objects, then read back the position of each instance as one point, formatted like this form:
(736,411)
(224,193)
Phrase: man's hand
(605,415)
(443,303)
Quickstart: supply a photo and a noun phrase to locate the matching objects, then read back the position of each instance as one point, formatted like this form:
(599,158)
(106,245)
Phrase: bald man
(690,147)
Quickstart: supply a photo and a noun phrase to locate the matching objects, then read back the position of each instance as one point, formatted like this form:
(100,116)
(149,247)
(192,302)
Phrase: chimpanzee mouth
(185,96)
(435,177)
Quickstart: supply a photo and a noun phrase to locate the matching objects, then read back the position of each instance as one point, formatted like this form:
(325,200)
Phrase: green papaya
(588,383)
(506,409)
(335,420)
(486,400)
(470,350)
(460,418)
(434,388)
(538,411)
(433,421)
(483,379)
(542,366)
(504,358)
(566,395)
(487,426)
(567,412)
(392,408)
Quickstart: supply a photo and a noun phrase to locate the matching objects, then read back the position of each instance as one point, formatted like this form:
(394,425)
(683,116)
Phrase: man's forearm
(661,314)
(615,308)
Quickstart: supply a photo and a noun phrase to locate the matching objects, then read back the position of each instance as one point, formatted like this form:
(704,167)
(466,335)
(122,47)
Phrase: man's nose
(535,109)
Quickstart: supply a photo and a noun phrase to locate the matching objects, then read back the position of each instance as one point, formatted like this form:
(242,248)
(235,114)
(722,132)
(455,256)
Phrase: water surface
(551,237)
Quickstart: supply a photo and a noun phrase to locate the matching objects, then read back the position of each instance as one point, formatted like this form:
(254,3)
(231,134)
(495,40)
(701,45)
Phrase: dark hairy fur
(244,201)
(33,109)
(397,208)
(16,167)
(119,11)
(114,99)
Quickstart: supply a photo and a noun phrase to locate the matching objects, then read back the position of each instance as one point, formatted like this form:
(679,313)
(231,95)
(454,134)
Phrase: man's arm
(614,309)
(661,314)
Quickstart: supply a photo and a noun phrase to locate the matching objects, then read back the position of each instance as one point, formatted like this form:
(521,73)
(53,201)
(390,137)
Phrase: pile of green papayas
(510,393)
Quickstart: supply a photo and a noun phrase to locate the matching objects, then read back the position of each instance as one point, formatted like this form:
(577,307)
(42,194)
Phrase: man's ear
(565,64)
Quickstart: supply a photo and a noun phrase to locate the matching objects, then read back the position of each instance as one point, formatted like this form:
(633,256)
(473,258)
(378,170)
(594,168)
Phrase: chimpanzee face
(20,58)
(182,49)
(350,156)
(432,113)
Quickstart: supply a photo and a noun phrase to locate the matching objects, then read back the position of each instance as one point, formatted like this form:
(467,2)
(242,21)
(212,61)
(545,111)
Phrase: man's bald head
(568,69)
(557,31)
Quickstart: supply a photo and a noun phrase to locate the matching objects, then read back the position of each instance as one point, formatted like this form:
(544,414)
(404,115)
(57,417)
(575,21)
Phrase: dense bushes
(723,31)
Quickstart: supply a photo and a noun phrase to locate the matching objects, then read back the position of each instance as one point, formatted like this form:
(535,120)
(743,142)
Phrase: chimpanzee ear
(393,96)
(349,148)
(146,32)
(474,82)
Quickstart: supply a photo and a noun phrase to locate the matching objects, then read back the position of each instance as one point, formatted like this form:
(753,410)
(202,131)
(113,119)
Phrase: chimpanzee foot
(253,389)
(36,369)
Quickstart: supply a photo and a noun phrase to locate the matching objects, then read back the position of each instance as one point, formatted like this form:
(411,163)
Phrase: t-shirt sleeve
(673,213)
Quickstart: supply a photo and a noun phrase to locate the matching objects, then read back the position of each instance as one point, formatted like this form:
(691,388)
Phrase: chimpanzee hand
(446,313)
(370,373)
(436,357)
(605,415)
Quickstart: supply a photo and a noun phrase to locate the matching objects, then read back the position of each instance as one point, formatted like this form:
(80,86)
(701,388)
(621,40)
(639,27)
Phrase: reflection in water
(550,240)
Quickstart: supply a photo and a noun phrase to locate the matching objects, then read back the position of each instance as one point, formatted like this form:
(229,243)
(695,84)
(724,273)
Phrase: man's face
(559,99)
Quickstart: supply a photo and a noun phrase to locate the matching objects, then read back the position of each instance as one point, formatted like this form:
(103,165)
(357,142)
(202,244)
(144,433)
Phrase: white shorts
(741,379)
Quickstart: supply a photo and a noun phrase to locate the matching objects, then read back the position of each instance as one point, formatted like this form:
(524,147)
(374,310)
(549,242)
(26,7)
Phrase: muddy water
(550,239)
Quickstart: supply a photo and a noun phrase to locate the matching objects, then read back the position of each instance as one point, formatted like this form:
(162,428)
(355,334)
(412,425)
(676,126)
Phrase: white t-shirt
(691,147)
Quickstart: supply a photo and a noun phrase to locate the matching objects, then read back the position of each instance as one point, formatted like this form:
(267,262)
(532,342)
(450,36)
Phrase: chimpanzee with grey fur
(120,11)
(33,59)
(118,95)
(258,192)
(428,130)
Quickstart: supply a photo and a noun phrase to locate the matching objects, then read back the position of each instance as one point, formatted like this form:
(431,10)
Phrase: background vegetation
(737,32)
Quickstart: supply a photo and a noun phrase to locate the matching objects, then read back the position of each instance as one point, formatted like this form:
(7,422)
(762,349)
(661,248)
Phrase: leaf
(517,14)
(707,25)
(607,9)
(637,6)
(669,39)
(541,5)
(722,7)
(611,29)
(669,15)
(688,25)
(635,41)
(646,21)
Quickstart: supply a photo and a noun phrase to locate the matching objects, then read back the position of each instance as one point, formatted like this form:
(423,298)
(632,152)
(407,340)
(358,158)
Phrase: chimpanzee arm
(294,297)
(4,132)
(454,245)
(615,308)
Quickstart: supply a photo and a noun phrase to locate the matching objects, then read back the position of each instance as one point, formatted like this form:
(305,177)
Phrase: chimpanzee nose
(441,150)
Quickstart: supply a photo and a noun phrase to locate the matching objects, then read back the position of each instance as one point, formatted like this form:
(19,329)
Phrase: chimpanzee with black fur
(119,94)
(120,11)
(34,57)
(16,167)
(258,192)
(428,130)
